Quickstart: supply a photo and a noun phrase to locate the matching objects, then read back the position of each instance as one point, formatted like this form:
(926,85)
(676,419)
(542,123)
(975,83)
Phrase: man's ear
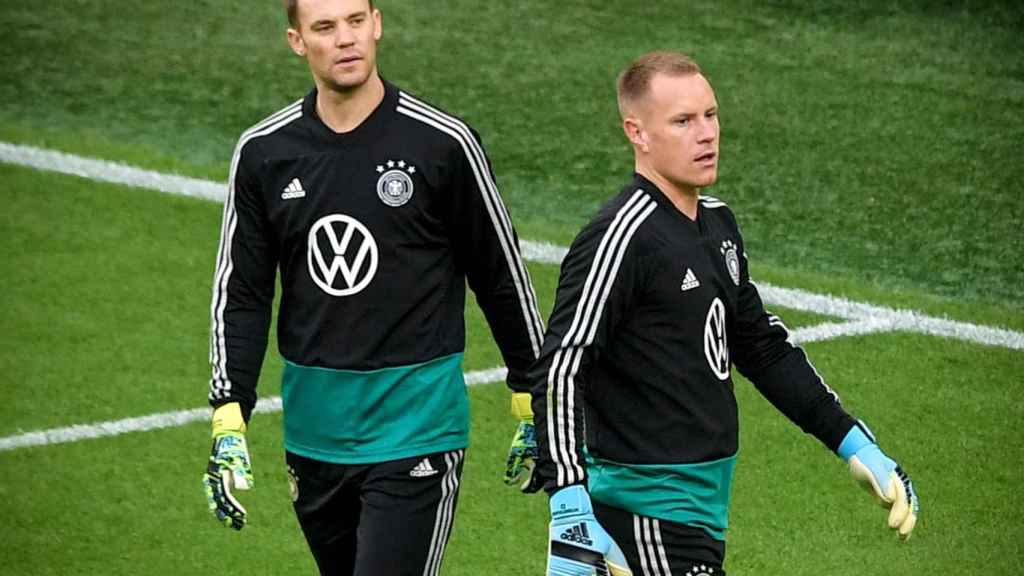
(634,129)
(295,42)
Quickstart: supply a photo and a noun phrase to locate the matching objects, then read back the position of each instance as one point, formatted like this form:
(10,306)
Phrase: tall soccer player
(374,208)
(636,419)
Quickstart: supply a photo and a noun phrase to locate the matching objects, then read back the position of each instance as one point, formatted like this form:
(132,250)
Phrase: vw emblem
(716,348)
(340,243)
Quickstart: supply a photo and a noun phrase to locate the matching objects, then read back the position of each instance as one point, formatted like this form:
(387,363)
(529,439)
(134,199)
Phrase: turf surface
(870,151)
(867,139)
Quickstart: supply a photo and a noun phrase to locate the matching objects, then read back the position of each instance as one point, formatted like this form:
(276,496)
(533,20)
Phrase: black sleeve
(781,371)
(598,281)
(487,249)
(243,288)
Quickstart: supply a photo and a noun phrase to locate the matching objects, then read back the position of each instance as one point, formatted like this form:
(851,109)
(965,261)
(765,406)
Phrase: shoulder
(249,142)
(712,202)
(437,125)
(620,224)
(718,209)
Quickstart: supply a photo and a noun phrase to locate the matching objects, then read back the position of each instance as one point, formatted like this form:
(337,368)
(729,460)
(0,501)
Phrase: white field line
(160,420)
(272,404)
(113,172)
(862,318)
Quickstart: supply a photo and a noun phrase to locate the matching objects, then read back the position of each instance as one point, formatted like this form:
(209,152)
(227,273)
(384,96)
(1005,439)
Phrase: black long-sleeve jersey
(375,233)
(633,390)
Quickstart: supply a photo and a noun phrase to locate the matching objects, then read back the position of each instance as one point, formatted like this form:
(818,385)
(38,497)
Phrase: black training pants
(389,518)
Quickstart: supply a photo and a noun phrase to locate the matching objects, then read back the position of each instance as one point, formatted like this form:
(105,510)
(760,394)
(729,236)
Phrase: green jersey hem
(357,417)
(692,494)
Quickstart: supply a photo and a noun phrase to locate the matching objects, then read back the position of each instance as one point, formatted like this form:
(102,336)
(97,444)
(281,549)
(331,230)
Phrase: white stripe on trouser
(661,548)
(639,540)
(445,513)
(653,560)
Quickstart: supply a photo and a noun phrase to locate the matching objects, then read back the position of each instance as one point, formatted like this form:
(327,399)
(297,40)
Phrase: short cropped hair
(292,8)
(635,81)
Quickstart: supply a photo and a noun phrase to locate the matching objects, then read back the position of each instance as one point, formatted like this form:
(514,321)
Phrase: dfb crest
(732,261)
(395,187)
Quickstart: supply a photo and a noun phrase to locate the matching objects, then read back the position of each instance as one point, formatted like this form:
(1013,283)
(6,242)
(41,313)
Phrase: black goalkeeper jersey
(633,390)
(375,233)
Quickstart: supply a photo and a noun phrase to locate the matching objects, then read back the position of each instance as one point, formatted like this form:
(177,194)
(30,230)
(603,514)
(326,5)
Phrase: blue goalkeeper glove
(228,468)
(522,455)
(578,545)
(882,477)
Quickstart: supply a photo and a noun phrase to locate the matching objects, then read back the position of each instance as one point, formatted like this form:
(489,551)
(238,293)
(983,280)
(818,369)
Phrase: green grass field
(870,151)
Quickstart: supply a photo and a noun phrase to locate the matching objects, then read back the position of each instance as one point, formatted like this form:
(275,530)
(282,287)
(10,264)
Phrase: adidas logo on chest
(689,281)
(293,190)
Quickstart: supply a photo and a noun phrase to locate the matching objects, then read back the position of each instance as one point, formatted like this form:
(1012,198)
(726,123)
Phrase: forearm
(793,386)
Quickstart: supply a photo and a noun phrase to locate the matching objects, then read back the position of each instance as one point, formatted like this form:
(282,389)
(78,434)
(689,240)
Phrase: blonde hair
(635,81)
(291,7)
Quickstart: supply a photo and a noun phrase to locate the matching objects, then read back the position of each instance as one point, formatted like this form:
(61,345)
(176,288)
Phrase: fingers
(221,502)
(512,467)
(526,473)
(616,561)
(903,514)
(617,570)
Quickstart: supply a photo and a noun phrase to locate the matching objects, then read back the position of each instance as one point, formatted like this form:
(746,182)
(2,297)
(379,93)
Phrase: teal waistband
(692,494)
(360,417)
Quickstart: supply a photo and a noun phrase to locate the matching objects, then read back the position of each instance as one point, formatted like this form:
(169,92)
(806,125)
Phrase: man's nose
(708,130)
(344,37)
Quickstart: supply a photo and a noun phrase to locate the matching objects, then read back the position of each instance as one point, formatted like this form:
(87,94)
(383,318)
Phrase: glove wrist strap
(570,501)
(521,406)
(858,437)
(228,418)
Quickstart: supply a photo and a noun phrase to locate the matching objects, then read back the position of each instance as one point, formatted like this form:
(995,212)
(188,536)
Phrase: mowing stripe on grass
(862,318)
(171,419)
(272,404)
(541,252)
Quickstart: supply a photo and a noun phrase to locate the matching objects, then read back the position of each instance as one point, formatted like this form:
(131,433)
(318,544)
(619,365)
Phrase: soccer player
(374,209)
(636,419)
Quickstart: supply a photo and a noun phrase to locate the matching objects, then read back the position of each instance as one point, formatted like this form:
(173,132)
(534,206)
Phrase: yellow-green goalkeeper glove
(881,477)
(523,453)
(228,468)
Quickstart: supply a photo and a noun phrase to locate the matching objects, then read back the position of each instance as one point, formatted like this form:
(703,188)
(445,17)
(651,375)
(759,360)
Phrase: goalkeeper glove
(522,455)
(578,545)
(229,467)
(882,477)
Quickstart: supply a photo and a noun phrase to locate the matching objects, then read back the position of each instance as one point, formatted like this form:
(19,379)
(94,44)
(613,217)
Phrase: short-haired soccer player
(635,414)
(374,208)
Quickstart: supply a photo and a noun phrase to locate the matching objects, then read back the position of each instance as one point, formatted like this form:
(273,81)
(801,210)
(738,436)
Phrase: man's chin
(707,179)
(348,82)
